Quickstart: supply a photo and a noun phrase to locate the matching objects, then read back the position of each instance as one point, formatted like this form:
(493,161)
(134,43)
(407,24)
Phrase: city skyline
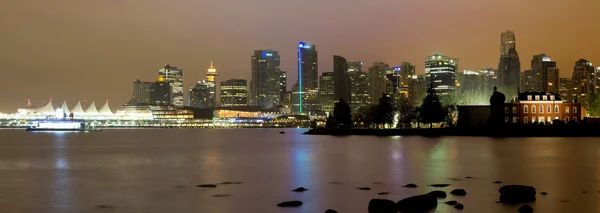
(130,44)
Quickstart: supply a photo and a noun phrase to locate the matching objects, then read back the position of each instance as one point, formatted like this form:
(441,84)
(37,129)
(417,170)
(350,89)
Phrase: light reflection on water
(137,170)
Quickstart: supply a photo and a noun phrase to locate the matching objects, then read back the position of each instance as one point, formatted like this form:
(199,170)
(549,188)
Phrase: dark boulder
(382,206)
(382,193)
(438,194)
(459,192)
(419,203)
(364,188)
(207,186)
(331,211)
(544,193)
(525,209)
(469,177)
(411,185)
(229,183)
(439,185)
(459,206)
(282,132)
(300,189)
(497,182)
(452,202)
(294,203)
(513,194)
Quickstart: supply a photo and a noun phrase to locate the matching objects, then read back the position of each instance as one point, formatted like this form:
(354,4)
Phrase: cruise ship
(60,122)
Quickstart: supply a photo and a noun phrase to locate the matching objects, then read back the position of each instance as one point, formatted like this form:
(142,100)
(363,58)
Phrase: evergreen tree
(431,110)
(406,113)
(384,113)
(342,114)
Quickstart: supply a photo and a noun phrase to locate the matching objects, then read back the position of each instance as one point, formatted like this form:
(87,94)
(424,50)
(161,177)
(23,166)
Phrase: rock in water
(382,193)
(452,202)
(513,194)
(282,132)
(419,203)
(229,183)
(300,189)
(207,186)
(331,211)
(410,185)
(459,206)
(439,185)
(469,177)
(364,188)
(294,203)
(382,206)
(525,209)
(438,194)
(544,193)
(459,192)
(497,181)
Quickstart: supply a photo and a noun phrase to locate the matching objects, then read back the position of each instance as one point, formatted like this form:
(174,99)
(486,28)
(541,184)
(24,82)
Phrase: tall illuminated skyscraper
(361,87)
(584,81)
(546,73)
(441,72)
(141,93)
(211,74)
(509,67)
(507,42)
(327,91)
(341,81)
(265,85)
(174,77)
(306,98)
(234,93)
(379,81)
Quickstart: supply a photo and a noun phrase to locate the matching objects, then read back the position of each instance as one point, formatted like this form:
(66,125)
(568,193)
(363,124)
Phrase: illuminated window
(541,109)
(566,109)
(545,97)
(549,109)
(532,119)
(552,97)
(549,119)
(529,97)
(541,119)
(555,108)
(533,108)
(537,97)
(514,120)
(514,110)
(525,109)
(525,120)
(574,109)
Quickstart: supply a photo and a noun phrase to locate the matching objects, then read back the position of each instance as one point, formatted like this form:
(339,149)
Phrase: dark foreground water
(152,170)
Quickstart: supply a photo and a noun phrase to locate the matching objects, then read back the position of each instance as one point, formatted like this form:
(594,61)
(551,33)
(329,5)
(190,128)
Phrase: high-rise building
(509,68)
(379,82)
(441,72)
(565,88)
(211,74)
(417,89)
(202,95)
(471,81)
(161,92)
(341,80)
(308,80)
(584,81)
(141,93)
(407,71)
(489,81)
(361,87)
(266,79)
(327,97)
(234,93)
(528,81)
(174,76)
(282,86)
(546,73)
(305,99)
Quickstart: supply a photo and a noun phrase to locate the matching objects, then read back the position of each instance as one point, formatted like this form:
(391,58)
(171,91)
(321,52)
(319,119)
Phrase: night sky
(93,49)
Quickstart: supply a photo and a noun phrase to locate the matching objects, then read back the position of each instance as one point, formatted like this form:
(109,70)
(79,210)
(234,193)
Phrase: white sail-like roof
(77,109)
(65,108)
(105,109)
(47,109)
(91,110)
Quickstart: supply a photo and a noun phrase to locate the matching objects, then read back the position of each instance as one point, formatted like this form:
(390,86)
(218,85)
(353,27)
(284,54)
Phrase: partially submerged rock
(419,203)
(364,188)
(331,211)
(438,194)
(411,185)
(294,203)
(452,202)
(382,193)
(459,192)
(382,206)
(439,185)
(525,209)
(207,186)
(300,189)
(513,194)
(459,206)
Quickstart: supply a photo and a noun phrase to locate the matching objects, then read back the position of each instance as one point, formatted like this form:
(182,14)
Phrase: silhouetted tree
(497,109)
(431,110)
(342,114)
(384,113)
(594,105)
(406,113)
(365,116)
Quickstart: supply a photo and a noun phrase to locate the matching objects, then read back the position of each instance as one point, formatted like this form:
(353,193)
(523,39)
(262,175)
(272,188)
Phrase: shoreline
(509,131)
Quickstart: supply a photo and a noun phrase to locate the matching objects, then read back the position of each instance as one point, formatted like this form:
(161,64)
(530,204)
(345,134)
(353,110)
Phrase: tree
(406,113)
(497,109)
(365,116)
(384,113)
(594,104)
(431,110)
(342,114)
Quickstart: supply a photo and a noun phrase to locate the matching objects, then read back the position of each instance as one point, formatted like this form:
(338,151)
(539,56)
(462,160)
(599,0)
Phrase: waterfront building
(234,93)
(542,107)
(327,92)
(202,95)
(211,74)
(583,81)
(341,80)
(174,77)
(267,79)
(360,90)
(441,72)
(546,73)
(161,92)
(141,93)
(306,94)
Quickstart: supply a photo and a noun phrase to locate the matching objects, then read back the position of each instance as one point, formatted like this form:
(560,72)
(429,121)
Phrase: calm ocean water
(156,170)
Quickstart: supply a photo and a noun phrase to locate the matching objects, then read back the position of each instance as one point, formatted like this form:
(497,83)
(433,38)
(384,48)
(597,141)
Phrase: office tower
(393,80)
(528,79)
(407,71)
(441,72)
(417,89)
(211,74)
(379,81)
(175,78)
(234,93)
(308,79)
(327,88)
(361,87)
(565,88)
(161,92)
(202,95)
(266,79)
(341,80)
(141,93)
(282,86)
(546,73)
(584,81)
(489,81)
(305,102)
(509,68)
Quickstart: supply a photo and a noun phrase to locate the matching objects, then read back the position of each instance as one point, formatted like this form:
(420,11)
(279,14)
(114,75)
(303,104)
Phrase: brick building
(542,107)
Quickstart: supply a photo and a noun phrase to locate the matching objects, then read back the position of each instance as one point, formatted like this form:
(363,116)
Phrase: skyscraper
(354,66)
(308,80)
(546,73)
(528,81)
(565,88)
(175,78)
(265,85)
(234,93)
(202,95)
(327,97)
(282,86)
(341,80)
(584,81)
(211,74)
(161,92)
(379,82)
(141,93)
(417,89)
(441,72)
(361,87)
(400,80)
(509,68)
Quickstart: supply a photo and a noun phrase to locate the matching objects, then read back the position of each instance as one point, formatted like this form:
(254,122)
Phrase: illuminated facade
(564,89)
(441,72)
(541,107)
(266,83)
(341,81)
(282,86)
(234,93)
(327,91)
(583,81)
(417,90)
(507,42)
(546,73)
(141,93)
(161,92)
(360,90)
(509,68)
(202,95)
(308,79)
(174,77)
(379,81)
